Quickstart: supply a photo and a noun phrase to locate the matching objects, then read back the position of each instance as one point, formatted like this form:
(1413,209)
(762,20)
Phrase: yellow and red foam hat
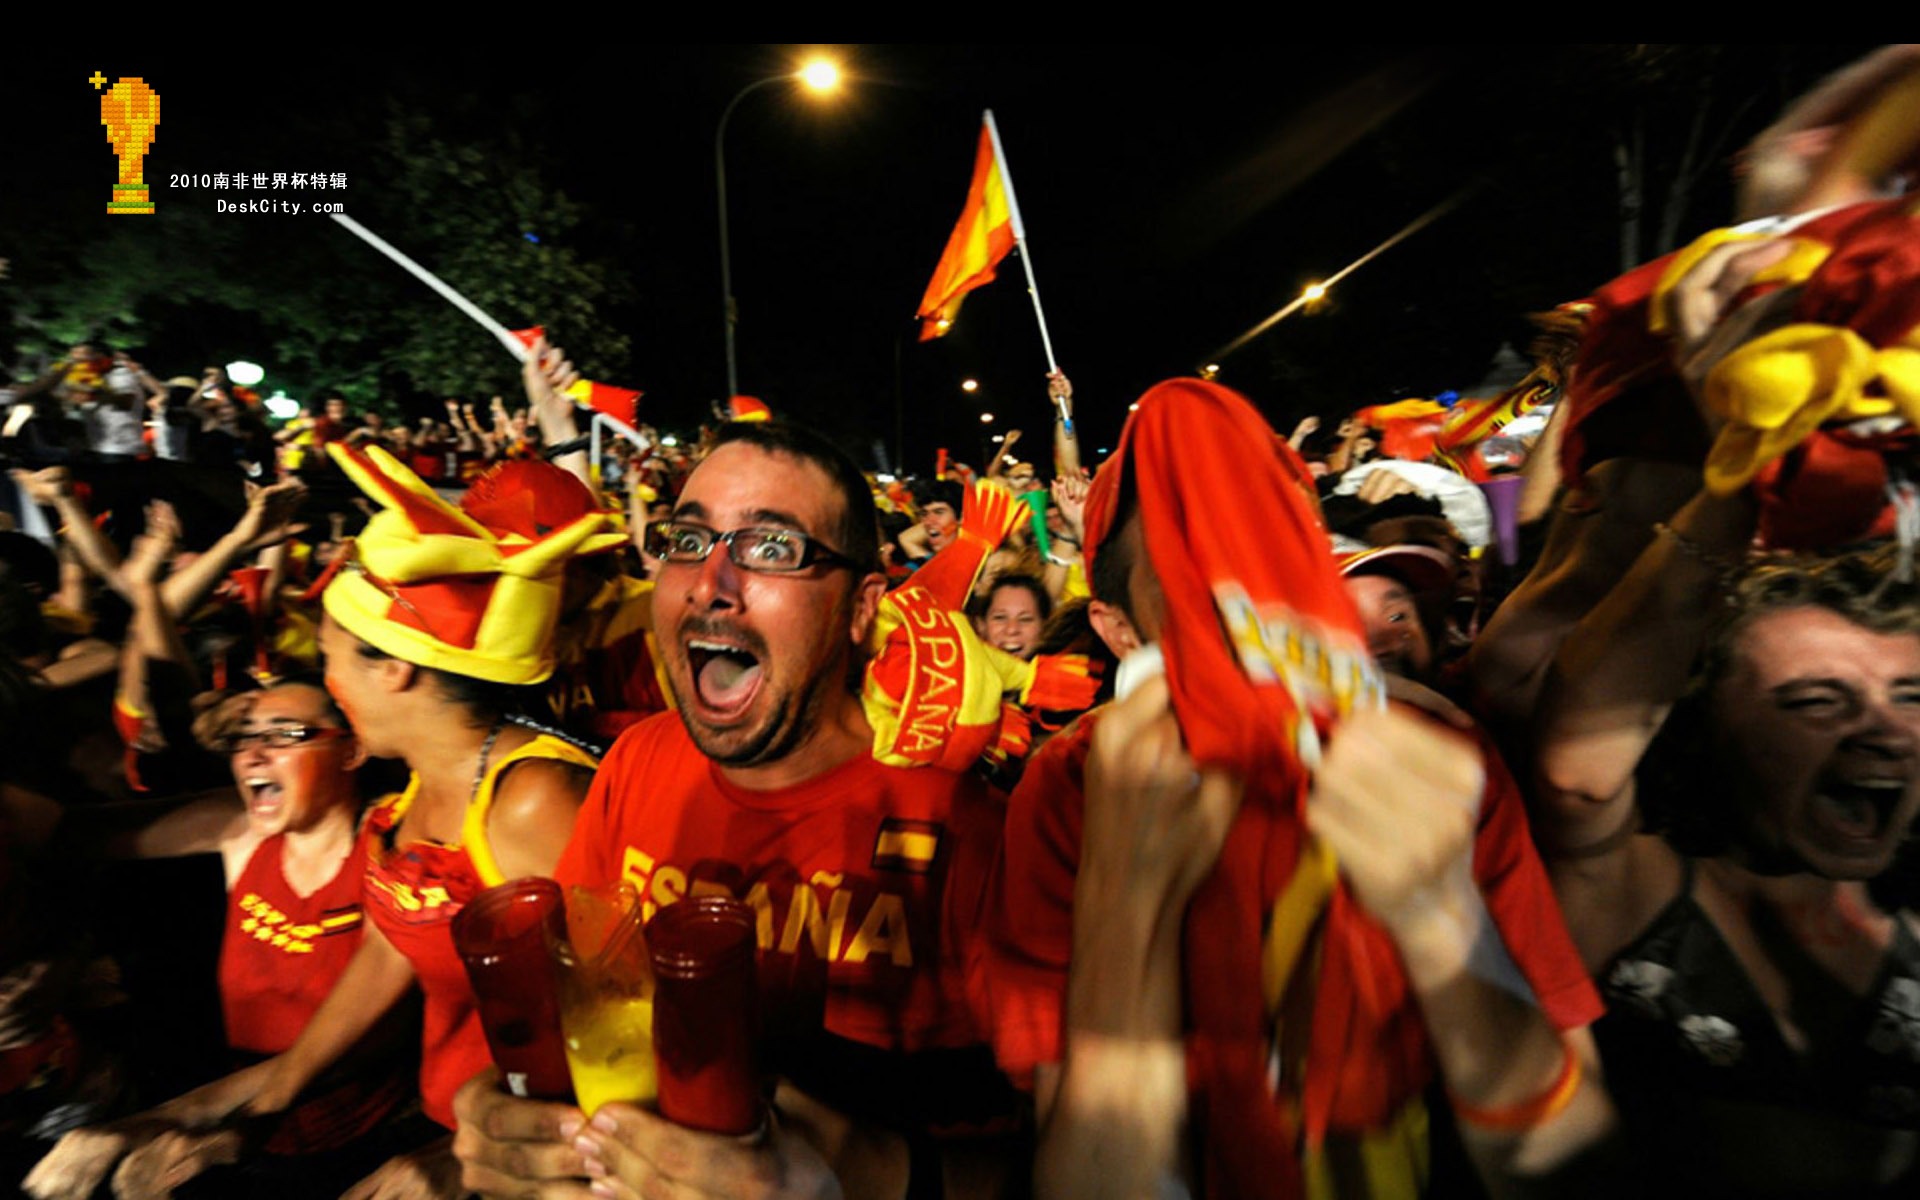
(427,583)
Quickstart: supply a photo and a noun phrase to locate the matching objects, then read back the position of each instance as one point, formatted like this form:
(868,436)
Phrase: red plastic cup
(704,1014)
(501,936)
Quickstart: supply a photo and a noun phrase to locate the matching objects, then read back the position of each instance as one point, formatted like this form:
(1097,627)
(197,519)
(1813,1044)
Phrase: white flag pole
(454,298)
(1026,255)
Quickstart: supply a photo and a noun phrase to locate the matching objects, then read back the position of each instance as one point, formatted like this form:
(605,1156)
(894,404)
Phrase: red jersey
(869,882)
(1033,934)
(280,958)
(413,892)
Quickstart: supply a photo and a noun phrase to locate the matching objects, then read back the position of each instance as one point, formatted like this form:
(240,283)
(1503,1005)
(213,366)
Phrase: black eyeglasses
(771,550)
(280,737)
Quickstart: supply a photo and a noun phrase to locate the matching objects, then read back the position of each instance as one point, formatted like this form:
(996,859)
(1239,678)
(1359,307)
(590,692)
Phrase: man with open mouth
(867,879)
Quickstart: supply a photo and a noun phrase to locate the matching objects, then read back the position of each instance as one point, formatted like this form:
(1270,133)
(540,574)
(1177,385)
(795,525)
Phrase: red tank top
(413,892)
(281,955)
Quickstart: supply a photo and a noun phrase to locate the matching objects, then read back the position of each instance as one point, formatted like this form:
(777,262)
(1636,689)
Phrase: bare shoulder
(535,790)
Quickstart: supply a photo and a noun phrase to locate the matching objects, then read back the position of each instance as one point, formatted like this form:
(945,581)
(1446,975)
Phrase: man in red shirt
(1149,984)
(869,881)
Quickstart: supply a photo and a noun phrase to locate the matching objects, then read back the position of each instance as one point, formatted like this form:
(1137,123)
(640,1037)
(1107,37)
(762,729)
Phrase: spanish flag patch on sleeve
(910,846)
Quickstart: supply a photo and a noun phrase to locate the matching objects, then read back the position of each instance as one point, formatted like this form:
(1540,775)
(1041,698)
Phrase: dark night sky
(1174,196)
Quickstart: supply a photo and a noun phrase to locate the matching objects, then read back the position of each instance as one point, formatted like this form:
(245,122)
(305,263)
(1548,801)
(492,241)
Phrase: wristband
(570,447)
(1528,1114)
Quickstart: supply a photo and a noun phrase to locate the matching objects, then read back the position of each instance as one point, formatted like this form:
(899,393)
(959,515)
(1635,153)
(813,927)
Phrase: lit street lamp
(820,75)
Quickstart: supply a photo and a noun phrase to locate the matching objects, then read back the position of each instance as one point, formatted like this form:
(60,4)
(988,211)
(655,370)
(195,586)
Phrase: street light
(986,418)
(1313,292)
(820,76)
(969,385)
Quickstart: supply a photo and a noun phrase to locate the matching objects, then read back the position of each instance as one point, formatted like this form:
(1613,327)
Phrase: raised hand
(269,520)
(48,485)
(547,375)
(1070,497)
(1397,800)
(1152,817)
(154,547)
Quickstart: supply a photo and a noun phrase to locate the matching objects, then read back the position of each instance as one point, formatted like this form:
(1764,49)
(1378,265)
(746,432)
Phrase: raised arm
(547,376)
(1066,443)
(268,520)
(1397,802)
(1618,673)
(1114,1120)
(53,487)
(153,635)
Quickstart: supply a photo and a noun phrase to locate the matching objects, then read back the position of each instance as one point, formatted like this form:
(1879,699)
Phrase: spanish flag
(989,228)
(617,402)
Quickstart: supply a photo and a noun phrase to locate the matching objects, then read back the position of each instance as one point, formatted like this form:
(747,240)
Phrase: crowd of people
(1501,794)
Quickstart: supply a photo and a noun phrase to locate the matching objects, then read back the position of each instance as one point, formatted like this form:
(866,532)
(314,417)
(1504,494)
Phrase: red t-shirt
(870,884)
(1033,919)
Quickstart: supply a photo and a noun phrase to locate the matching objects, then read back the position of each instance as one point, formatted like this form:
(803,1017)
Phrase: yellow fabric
(1075,588)
(514,641)
(1392,1163)
(1293,918)
(1799,264)
(473,827)
(297,638)
(1778,388)
(933,689)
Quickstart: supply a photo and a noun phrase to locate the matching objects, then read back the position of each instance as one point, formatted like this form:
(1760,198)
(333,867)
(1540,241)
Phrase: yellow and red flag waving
(989,226)
(617,402)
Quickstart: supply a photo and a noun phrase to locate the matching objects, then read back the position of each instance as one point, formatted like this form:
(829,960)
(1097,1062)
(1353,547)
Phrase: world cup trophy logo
(130,110)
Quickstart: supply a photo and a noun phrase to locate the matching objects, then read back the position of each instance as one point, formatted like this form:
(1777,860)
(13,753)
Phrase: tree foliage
(321,309)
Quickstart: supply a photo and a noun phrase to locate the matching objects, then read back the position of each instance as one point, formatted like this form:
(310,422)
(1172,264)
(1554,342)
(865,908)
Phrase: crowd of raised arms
(1509,795)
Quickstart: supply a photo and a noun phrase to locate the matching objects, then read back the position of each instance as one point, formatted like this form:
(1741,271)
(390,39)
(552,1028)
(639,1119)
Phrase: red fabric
(1244,1135)
(280,958)
(1627,401)
(826,865)
(429,465)
(980,239)
(458,604)
(1191,454)
(622,404)
(412,894)
(749,408)
(527,497)
(1411,438)
(128,725)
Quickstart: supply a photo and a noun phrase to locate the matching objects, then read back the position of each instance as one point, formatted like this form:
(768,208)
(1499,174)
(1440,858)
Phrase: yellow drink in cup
(610,1050)
(606,999)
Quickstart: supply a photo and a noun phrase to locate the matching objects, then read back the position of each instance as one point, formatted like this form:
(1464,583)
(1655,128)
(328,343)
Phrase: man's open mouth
(726,674)
(1858,808)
